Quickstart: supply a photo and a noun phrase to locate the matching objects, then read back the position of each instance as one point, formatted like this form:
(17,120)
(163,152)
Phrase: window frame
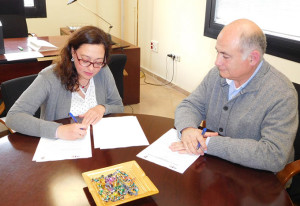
(38,11)
(277,46)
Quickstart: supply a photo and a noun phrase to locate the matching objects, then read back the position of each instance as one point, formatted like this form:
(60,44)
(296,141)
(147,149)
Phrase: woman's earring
(72,59)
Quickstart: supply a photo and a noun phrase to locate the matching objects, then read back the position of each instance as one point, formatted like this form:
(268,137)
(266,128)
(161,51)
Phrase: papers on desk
(58,149)
(159,153)
(116,132)
(110,132)
(22,55)
(40,45)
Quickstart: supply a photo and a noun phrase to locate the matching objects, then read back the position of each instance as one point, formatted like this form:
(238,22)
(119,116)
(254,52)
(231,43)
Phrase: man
(250,104)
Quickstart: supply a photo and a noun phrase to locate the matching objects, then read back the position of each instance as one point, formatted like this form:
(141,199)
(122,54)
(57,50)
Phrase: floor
(154,100)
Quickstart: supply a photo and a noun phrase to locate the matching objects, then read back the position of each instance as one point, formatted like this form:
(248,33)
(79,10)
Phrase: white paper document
(40,45)
(160,153)
(22,55)
(58,149)
(116,132)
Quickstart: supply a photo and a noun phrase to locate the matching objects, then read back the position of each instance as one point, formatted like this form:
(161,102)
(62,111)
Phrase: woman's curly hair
(65,68)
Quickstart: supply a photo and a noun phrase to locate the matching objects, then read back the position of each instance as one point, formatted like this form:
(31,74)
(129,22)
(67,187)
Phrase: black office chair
(12,89)
(292,170)
(12,16)
(117,64)
(14,26)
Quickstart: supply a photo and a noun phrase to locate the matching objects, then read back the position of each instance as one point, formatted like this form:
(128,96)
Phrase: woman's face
(88,60)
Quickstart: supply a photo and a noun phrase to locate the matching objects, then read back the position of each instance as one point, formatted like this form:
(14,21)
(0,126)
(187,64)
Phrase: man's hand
(189,141)
(71,131)
(190,138)
(93,115)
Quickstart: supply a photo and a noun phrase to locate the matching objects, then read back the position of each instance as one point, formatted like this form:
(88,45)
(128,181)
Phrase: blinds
(275,17)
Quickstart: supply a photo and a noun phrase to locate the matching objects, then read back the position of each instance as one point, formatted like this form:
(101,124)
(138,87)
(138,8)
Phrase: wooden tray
(145,185)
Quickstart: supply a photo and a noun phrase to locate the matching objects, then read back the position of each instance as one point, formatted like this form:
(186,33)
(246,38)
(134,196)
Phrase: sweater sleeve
(20,117)
(192,110)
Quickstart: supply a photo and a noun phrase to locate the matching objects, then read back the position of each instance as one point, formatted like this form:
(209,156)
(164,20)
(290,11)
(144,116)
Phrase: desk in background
(13,69)
(208,181)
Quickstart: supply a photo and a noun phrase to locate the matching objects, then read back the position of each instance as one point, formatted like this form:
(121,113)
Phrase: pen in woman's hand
(203,132)
(75,120)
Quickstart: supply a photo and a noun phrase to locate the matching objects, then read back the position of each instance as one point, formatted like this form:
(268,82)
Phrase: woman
(80,83)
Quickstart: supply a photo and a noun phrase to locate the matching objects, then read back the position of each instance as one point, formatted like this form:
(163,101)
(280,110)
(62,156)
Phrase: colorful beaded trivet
(116,186)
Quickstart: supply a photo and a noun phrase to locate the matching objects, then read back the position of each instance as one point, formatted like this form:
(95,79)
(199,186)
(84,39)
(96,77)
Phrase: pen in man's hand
(75,120)
(203,132)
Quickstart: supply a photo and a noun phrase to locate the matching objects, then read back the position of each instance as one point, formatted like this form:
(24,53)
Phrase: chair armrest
(288,172)
(9,129)
(125,74)
(2,107)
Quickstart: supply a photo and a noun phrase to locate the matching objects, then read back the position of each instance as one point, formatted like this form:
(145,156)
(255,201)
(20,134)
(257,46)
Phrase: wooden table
(208,181)
(14,69)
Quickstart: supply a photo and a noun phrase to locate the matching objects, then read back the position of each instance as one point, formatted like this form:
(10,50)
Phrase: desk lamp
(110,26)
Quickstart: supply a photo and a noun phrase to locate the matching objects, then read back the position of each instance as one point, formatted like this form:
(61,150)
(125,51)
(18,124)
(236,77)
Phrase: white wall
(130,21)
(178,26)
(59,14)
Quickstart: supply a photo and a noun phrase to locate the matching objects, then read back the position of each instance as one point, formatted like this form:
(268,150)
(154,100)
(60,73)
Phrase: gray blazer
(48,93)
(258,126)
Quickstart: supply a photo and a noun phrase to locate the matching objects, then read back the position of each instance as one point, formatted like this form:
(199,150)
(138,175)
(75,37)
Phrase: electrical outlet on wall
(174,57)
(154,46)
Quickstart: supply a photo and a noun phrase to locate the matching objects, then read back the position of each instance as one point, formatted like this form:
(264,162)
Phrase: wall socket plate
(154,46)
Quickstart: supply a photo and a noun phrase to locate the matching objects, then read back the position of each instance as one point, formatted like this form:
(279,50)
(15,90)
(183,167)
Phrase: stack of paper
(58,149)
(160,153)
(116,132)
(22,55)
(40,45)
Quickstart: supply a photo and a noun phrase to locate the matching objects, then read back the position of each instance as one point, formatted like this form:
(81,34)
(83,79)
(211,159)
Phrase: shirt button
(225,108)
(220,129)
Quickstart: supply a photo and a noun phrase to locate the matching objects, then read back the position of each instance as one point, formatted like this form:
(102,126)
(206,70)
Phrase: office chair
(12,16)
(117,64)
(12,89)
(14,26)
(292,170)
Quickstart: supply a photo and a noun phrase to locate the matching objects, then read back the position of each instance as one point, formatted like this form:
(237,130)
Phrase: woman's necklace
(84,88)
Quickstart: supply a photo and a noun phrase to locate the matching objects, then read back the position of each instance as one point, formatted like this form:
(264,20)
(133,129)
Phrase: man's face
(230,61)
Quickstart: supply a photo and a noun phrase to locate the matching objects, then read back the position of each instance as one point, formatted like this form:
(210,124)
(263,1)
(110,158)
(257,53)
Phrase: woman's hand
(93,115)
(71,131)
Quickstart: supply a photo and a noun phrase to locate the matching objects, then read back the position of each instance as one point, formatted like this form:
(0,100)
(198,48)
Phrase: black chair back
(117,64)
(12,89)
(14,26)
(12,16)
(294,190)
(297,140)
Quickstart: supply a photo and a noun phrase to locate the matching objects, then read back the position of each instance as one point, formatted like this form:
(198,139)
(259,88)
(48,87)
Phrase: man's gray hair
(253,41)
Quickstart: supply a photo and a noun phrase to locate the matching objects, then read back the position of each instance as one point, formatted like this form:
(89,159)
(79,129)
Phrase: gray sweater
(257,127)
(48,93)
